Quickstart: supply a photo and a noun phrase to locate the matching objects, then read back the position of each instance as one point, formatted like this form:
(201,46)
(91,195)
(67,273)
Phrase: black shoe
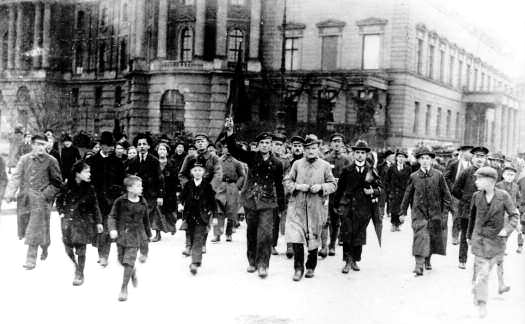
(273,251)
(323,253)
(428,265)
(29,266)
(262,272)
(355,266)
(418,270)
(347,267)
(186,251)
(251,269)
(193,268)
(216,239)
(229,238)
(298,275)
(44,254)
(289,253)
(157,238)
(331,252)
(310,273)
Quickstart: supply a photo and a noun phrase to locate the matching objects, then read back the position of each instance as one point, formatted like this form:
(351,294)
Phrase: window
(371,51)
(125,12)
(329,52)
(489,83)
(431,50)
(187,44)
(104,17)
(80,19)
(475,83)
(467,75)
(118,94)
(451,71)
(420,56)
(292,54)
(123,60)
(237,2)
(102,52)
(75,96)
(235,45)
(78,59)
(456,131)
(438,121)
(98,96)
(417,112)
(483,79)
(442,66)
(427,121)
(448,122)
(460,73)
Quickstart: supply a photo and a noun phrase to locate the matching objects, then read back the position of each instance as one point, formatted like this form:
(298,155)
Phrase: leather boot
(157,238)
(193,268)
(298,275)
(274,251)
(289,253)
(310,273)
(347,267)
(428,264)
(323,253)
(354,266)
(262,272)
(186,251)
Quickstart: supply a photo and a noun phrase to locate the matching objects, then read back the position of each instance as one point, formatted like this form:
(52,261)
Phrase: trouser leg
(70,253)
(312,259)
(251,217)
(463,244)
(298,249)
(127,274)
(356,253)
(346,238)
(264,237)
(81,258)
(230,226)
(482,268)
(197,243)
(324,235)
(500,272)
(103,245)
(143,248)
(218,229)
(275,227)
(31,258)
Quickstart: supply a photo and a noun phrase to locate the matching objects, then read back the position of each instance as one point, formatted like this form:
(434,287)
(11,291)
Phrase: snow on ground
(384,291)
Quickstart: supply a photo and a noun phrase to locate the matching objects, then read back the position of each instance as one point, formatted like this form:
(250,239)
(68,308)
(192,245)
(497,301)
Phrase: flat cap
(480,149)
(297,139)
(202,136)
(279,138)
(424,151)
(487,172)
(262,136)
(334,135)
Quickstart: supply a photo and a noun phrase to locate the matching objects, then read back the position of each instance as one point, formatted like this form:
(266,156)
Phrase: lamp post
(280,114)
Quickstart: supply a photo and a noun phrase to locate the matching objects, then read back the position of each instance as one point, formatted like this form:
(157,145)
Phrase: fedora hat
(361,145)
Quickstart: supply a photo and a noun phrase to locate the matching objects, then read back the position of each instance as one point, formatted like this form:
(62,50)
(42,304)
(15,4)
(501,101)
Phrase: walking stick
(307,223)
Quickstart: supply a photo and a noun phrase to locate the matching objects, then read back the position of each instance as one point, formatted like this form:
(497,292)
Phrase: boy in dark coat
(128,223)
(198,206)
(428,193)
(487,231)
(77,203)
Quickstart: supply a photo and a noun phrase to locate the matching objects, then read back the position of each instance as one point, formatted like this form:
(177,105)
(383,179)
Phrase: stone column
(140,29)
(511,130)
(200,28)
(162,30)
(497,127)
(11,38)
(46,40)
(221,28)
(19,36)
(256,9)
(36,34)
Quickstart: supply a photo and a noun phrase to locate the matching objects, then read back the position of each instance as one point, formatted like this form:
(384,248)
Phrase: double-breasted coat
(355,207)
(37,179)
(487,220)
(306,211)
(130,220)
(199,203)
(78,203)
(428,194)
(396,182)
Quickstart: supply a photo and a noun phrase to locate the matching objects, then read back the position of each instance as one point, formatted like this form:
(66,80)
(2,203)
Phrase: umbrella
(377,223)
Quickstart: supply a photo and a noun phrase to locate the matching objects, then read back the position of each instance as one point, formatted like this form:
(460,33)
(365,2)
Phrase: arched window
(187,44)
(172,112)
(235,45)
(80,19)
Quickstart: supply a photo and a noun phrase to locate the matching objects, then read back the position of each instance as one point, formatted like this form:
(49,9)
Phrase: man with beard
(263,193)
(428,193)
(309,183)
(463,189)
(278,150)
(338,161)
(107,176)
(452,173)
(213,175)
(147,167)
(37,178)
(355,200)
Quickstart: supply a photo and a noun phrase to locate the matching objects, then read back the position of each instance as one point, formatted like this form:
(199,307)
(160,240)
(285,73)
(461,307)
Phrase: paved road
(384,291)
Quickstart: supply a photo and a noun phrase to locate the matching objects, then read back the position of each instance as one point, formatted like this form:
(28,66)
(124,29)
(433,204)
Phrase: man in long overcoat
(38,179)
(396,180)
(463,189)
(309,182)
(453,170)
(355,199)
(430,198)
(263,193)
(107,178)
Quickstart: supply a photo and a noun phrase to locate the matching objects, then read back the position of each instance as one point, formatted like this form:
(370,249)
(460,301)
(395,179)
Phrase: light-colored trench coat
(307,212)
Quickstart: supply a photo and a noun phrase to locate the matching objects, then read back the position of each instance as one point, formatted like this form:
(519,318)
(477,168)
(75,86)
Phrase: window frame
(240,39)
(379,58)
(183,50)
(292,52)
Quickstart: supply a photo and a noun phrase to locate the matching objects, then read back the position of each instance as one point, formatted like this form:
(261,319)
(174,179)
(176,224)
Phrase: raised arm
(237,151)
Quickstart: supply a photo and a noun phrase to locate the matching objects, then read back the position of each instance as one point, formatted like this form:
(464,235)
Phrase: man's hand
(369,192)
(100,228)
(214,221)
(302,187)
(113,234)
(316,188)
(180,208)
(229,126)
(160,201)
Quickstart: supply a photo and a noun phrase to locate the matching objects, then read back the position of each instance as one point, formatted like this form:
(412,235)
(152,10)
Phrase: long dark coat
(78,203)
(130,220)
(463,189)
(150,172)
(199,202)
(38,180)
(355,207)
(430,199)
(396,182)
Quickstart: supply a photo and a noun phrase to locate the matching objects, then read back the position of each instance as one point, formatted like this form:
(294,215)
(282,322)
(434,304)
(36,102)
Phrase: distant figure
(15,140)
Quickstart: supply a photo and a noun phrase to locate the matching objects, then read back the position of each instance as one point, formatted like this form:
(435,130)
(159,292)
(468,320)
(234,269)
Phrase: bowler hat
(388,153)
(487,172)
(297,139)
(480,149)
(361,145)
(106,138)
(264,135)
(424,151)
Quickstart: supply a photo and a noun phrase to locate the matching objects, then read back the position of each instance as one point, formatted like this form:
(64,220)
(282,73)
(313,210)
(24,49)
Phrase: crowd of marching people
(319,195)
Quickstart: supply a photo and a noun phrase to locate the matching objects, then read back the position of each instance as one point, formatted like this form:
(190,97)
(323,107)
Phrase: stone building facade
(397,73)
